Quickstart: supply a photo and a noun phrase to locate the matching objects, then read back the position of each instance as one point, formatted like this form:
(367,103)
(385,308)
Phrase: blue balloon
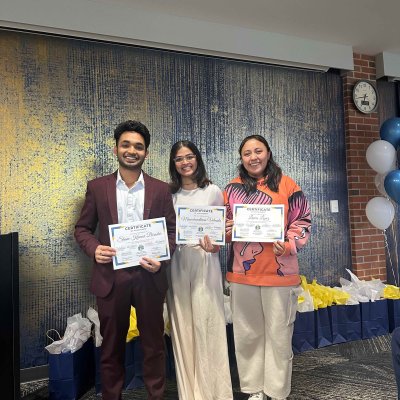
(392,185)
(390,131)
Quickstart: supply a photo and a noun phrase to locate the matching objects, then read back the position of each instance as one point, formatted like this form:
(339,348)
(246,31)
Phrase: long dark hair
(200,175)
(272,172)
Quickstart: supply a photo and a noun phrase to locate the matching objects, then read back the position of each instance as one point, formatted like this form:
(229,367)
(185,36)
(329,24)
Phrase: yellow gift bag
(133,330)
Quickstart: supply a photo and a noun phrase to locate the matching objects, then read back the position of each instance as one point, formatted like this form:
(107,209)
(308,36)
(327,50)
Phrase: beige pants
(263,320)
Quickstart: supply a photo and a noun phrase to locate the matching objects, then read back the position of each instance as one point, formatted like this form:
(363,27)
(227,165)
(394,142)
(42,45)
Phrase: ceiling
(369,26)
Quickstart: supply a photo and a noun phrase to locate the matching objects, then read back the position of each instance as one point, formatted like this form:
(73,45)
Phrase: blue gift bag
(170,362)
(374,318)
(323,330)
(393,313)
(133,366)
(304,332)
(345,323)
(71,375)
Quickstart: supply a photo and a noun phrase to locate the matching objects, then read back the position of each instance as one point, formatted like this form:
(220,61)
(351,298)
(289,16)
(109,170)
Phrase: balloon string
(395,277)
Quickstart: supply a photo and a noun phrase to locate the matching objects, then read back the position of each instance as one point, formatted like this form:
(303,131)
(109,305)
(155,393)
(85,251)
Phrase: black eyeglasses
(181,159)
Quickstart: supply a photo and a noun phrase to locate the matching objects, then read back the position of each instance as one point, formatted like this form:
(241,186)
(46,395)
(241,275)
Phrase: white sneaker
(257,396)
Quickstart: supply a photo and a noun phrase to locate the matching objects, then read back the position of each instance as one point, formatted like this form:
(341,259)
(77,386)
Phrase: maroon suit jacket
(100,210)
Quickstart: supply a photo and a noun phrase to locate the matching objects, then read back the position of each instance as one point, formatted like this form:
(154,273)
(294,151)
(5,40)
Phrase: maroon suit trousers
(132,286)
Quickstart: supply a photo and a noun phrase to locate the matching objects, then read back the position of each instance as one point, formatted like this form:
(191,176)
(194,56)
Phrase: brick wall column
(367,242)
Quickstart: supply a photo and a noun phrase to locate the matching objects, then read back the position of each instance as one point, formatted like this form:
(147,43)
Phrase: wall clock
(365,96)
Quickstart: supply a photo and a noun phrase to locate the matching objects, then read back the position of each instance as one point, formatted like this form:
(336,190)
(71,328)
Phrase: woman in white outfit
(195,296)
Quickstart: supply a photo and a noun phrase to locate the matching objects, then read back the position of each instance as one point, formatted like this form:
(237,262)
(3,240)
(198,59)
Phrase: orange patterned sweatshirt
(255,263)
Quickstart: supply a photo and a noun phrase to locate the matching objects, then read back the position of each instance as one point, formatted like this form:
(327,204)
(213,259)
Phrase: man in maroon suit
(127,195)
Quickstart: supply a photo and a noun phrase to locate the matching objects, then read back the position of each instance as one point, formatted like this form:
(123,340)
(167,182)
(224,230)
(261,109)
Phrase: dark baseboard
(34,373)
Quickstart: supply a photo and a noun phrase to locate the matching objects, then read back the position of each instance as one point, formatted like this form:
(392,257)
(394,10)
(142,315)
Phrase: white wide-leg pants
(198,331)
(263,319)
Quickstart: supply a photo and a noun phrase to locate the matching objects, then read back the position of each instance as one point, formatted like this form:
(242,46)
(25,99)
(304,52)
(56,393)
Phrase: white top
(210,195)
(130,202)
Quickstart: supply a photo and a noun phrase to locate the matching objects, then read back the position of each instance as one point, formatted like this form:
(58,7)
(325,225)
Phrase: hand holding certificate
(194,222)
(132,241)
(258,223)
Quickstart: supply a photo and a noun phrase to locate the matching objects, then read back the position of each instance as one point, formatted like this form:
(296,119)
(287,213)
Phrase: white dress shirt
(130,202)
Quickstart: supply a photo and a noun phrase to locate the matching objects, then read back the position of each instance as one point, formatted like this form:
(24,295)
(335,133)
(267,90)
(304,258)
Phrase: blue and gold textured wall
(59,102)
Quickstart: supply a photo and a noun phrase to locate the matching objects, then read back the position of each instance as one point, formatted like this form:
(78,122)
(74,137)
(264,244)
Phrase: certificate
(258,223)
(137,239)
(193,222)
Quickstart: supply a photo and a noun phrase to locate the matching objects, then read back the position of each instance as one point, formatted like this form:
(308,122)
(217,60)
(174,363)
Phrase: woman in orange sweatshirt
(262,275)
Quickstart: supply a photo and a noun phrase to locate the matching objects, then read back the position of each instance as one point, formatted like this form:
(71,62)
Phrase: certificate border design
(113,229)
(277,206)
(163,222)
(222,209)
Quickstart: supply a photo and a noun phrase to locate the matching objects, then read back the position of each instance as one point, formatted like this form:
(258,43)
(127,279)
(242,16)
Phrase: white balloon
(380,184)
(380,212)
(381,156)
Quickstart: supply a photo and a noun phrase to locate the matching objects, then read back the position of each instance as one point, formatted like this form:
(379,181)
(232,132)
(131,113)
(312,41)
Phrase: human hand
(228,227)
(207,246)
(104,254)
(150,264)
(278,248)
